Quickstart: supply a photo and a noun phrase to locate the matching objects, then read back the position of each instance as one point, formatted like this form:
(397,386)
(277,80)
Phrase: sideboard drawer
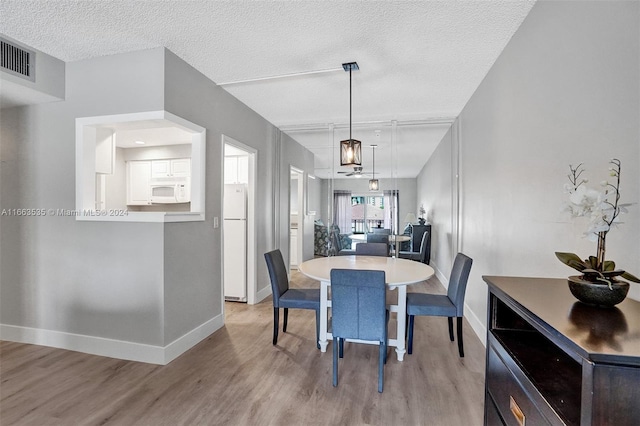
(511,400)
(491,415)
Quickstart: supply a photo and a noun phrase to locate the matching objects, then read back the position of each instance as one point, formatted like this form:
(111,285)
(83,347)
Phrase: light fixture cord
(374,162)
(350,138)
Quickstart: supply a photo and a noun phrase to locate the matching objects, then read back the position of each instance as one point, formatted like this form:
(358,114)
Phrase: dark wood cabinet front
(553,360)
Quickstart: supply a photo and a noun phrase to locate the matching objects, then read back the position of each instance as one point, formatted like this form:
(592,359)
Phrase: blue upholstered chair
(358,311)
(385,231)
(372,249)
(285,297)
(340,243)
(451,305)
(378,238)
(419,256)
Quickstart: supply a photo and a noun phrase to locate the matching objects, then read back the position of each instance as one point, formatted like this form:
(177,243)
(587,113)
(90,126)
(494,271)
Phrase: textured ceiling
(419,60)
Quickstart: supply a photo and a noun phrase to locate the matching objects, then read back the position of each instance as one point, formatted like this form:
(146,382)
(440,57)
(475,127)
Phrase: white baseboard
(263,294)
(110,347)
(478,327)
(185,342)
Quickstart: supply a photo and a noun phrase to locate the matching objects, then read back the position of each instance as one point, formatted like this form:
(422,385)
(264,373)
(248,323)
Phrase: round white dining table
(398,274)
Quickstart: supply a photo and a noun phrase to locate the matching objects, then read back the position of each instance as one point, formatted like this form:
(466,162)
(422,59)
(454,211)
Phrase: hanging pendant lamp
(374,185)
(350,149)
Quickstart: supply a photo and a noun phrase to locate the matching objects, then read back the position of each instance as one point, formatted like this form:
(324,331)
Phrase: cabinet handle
(516,411)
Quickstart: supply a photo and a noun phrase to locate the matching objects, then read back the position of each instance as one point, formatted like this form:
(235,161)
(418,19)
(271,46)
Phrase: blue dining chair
(285,297)
(358,311)
(419,256)
(449,305)
(377,238)
(372,249)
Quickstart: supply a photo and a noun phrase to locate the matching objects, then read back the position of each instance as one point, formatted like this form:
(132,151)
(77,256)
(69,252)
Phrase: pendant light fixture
(374,185)
(350,149)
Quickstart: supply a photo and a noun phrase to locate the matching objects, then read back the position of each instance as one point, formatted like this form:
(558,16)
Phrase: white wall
(564,91)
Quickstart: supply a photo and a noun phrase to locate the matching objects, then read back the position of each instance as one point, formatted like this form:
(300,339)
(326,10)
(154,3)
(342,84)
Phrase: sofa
(322,244)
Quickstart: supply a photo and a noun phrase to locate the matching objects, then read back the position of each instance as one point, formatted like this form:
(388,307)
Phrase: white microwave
(171,191)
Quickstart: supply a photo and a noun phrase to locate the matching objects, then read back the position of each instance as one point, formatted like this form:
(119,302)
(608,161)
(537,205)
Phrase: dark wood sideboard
(554,360)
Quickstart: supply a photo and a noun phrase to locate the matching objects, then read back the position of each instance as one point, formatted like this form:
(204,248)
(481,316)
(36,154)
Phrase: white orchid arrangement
(602,208)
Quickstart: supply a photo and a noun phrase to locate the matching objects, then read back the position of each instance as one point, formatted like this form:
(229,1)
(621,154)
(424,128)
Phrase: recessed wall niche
(141,167)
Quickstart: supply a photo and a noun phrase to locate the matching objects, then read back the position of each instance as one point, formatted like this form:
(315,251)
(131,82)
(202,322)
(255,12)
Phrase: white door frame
(251,219)
(301,214)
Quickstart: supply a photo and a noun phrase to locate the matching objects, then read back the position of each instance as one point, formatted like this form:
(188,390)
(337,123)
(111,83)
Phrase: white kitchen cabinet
(177,167)
(230,170)
(139,183)
(181,167)
(236,169)
(160,168)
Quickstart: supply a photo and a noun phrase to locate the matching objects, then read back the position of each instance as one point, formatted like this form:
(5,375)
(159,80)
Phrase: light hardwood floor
(237,377)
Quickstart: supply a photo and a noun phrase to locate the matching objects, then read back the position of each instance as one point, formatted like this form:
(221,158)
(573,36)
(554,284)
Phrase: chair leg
(450,320)
(276,319)
(318,328)
(335,361)
(406,328)
(460,346)
(410,343)
(286,317)
(386,337)
(383,352)
(341,344)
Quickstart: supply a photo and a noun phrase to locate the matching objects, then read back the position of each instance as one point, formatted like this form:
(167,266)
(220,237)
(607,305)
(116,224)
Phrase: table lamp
(410,218)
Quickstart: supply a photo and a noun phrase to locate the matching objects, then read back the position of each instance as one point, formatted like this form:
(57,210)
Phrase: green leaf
(631,277)
(567,257)
(614,273)
(577,265)
(609,265)
(593,261)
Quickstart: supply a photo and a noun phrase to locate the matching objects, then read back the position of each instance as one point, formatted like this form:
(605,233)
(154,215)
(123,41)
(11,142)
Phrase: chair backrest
(334,238)
(423,247)
(277,274)
(458,281)
(377,238)
(372,249)
(358,304)
(385,231)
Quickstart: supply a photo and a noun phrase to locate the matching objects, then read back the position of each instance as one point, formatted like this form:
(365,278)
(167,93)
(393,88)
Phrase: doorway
(238,222)
(296,217)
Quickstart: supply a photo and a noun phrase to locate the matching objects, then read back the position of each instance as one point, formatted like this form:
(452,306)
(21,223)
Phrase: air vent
(16,60)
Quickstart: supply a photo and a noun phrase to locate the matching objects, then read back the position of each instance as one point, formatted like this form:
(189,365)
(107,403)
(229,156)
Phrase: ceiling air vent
(16,60)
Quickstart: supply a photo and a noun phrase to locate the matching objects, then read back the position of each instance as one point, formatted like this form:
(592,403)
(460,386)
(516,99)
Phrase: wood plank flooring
(237,377)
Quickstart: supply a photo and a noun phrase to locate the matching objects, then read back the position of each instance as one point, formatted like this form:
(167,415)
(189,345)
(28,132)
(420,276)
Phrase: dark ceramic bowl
(598,294)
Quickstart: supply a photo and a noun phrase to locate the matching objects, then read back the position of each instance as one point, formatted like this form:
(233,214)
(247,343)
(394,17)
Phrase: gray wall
(564,91)
(293,155)
(139,282)
(49,84)
(89,278)
(435,189)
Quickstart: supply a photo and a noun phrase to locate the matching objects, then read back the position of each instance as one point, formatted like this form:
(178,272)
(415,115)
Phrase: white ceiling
(420,61)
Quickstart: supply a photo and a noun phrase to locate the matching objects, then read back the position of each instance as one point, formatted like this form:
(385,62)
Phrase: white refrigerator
(235,242)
